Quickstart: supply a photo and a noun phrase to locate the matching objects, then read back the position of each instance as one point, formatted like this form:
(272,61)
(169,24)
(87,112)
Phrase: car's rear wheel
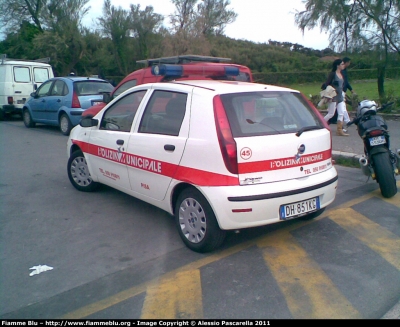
(27,118)
(196,222)
(78,173)
(65,124)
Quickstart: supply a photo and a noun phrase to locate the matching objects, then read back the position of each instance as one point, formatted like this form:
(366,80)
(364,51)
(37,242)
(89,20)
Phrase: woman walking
(336,80)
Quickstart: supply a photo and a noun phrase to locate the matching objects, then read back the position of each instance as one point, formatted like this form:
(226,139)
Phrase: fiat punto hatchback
(218,155)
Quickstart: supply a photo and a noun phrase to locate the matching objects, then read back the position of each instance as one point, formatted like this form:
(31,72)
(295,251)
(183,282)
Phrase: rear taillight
(10,100)
(75,101)
(376,132)
(225,138)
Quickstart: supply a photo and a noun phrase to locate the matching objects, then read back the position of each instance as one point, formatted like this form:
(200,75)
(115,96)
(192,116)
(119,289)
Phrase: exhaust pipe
(364,166)
(397,155)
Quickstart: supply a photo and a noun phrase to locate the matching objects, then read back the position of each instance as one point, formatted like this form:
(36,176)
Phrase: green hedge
(314,77)
(306,77)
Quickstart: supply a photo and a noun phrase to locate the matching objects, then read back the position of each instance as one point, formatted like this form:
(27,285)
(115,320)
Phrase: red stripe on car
(185,174)
(283,163)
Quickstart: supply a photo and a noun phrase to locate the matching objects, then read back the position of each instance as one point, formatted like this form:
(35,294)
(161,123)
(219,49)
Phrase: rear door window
(164,113)
(40,75)
(268,113)
(22,74)
(59,88)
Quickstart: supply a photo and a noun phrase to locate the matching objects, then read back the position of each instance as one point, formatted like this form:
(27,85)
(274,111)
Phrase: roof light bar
(206,70)
(167,70)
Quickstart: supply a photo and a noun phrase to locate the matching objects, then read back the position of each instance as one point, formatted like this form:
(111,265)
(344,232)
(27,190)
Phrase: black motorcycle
(379,161)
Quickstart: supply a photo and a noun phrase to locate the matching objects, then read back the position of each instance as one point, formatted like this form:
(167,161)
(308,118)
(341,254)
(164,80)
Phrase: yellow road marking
(379,239)
(179,297)
(136,290)
(394,200)
(309,292)
(152,284)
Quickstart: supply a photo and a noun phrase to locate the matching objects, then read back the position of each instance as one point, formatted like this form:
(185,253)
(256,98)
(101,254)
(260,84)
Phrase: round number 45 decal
(245,153)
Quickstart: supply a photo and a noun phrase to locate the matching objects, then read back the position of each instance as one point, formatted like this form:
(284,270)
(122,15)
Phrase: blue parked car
(60,101)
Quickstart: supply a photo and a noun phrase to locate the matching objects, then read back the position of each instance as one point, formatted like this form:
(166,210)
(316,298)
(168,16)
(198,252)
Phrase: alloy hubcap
(192,220)
(80,172)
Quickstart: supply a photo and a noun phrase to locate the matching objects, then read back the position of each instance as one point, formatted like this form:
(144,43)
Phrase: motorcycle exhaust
(364,166)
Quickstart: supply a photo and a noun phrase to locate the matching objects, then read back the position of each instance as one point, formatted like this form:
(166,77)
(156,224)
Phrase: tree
(51,28)
(144,24)
(115,24)
(62,40)
(214,15)
(186,36)
(356,25)
(14,12)
(192,26)
(184,14)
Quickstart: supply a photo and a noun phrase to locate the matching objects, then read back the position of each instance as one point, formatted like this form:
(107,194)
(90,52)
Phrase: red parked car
(186,67)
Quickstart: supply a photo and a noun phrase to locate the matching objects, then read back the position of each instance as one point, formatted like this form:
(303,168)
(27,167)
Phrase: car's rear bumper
(10,108)
(239,207)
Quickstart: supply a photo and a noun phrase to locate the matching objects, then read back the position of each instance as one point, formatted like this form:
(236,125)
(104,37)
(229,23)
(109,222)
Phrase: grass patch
(347,162)
(364,89)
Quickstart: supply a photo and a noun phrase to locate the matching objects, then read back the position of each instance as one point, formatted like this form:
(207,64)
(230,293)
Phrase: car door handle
(58,100)
(169,147)
(120,142)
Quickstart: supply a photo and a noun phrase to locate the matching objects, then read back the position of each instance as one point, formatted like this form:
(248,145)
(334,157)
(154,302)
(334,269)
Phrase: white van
(18,79)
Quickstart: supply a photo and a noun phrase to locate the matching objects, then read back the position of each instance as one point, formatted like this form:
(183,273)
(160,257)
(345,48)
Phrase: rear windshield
(265,113)
(92,87)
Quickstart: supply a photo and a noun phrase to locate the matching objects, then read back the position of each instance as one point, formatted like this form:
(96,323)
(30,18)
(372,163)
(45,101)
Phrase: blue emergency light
(202,70)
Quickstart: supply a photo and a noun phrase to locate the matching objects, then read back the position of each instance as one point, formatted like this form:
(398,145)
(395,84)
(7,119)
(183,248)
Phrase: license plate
(300,208)
(377,140)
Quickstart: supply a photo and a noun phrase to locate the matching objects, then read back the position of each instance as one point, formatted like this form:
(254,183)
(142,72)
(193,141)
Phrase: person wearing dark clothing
(346,86)
(336,80)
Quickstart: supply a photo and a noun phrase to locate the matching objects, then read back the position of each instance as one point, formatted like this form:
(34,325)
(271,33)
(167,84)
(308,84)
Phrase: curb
(353,114)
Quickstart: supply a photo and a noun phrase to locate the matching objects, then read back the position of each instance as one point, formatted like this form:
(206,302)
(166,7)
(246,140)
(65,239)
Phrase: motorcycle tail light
(376,132)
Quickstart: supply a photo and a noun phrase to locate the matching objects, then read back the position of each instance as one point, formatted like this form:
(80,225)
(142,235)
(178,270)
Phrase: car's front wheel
(65,124)
(27,118)
(78,173)
(196,222)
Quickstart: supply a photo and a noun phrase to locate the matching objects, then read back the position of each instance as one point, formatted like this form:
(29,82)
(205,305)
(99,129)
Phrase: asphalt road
(116,257)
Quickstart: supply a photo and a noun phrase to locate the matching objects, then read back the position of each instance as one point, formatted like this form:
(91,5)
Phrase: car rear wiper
(308,128)
(261,123)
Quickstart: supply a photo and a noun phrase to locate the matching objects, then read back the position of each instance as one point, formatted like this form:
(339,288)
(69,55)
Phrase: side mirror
(35,86)
(106,97)
(88,122)
(33,94)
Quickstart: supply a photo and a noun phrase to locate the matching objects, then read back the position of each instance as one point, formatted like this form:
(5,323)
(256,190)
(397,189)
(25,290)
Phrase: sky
(257,20)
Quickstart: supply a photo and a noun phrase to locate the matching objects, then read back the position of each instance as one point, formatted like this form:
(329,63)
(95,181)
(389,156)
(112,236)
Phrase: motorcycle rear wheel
(384,174)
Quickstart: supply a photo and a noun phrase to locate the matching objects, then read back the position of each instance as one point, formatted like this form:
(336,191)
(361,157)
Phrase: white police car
(218,155)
